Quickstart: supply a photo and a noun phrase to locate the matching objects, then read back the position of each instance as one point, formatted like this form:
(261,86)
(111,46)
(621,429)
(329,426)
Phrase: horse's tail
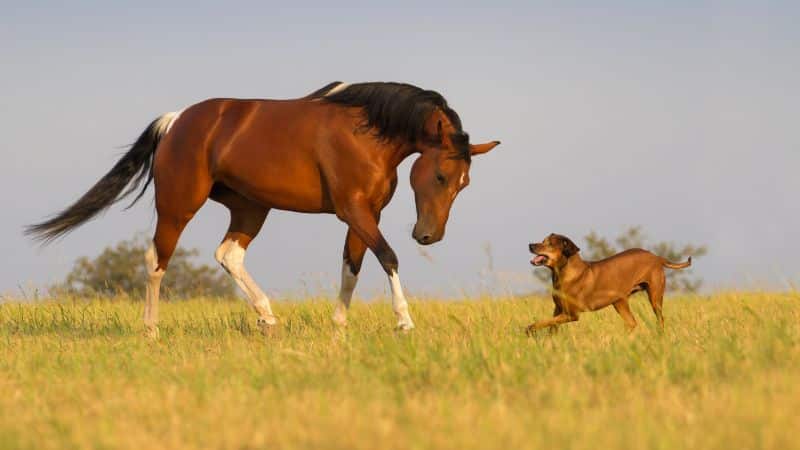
(133,168)
(672,265)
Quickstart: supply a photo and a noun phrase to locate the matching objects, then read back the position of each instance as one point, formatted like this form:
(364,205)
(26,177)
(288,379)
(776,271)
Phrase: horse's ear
(479,149)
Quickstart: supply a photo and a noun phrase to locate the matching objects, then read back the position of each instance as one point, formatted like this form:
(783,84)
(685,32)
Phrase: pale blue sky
(678,116)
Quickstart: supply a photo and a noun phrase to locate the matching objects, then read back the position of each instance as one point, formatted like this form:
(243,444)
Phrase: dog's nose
(530,247)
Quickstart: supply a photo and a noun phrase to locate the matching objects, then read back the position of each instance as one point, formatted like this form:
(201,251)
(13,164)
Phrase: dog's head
(553,251)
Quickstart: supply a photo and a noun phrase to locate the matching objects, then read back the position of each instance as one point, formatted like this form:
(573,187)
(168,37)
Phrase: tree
(121,270)
(598,247)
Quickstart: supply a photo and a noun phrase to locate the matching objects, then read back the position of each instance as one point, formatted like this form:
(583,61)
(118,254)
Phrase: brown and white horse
(333,151)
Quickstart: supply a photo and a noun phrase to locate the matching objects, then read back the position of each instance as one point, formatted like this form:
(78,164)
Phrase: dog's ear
(568,248)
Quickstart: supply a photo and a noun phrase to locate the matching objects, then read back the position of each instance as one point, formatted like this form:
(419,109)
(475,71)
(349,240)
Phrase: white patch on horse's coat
(460,186)
(349,280)
(399,303)
(164,123)
(231,255)
(339,87)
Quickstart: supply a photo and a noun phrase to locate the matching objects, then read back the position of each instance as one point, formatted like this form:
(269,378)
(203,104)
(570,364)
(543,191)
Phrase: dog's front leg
(557,311)
(564,317)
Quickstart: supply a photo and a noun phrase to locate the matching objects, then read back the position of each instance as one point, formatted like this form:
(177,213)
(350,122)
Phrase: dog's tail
(672,265)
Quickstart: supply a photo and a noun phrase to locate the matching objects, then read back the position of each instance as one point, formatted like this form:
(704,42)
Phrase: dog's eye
(440,178)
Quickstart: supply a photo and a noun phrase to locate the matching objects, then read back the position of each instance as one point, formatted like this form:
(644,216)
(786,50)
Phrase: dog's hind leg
(624,311)
(655,292)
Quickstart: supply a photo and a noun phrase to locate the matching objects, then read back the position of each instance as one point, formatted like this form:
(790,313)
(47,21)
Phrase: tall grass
(78,373)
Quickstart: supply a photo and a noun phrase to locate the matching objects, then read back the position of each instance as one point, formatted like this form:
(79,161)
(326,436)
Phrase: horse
(334,151)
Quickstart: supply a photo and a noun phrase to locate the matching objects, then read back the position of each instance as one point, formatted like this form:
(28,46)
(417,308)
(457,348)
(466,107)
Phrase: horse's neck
(399,153)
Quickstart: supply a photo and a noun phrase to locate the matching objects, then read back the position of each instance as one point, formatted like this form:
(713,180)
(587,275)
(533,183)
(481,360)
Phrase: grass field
(79,374)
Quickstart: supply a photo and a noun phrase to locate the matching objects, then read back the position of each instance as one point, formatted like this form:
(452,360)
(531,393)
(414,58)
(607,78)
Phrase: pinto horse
(334,151)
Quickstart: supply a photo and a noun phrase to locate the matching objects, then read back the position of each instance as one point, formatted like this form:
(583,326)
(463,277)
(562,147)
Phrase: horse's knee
(219,254)
(152,263)
(230,255)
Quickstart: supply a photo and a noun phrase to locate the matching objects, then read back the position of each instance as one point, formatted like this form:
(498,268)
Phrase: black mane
(396,110)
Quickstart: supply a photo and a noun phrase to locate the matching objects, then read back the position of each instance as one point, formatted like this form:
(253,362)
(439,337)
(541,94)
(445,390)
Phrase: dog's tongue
(538,260)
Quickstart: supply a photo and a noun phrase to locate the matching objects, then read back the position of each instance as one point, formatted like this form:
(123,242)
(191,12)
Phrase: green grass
(79,374)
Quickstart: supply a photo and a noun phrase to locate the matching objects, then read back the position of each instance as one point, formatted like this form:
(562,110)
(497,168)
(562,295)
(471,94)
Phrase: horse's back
(266,150)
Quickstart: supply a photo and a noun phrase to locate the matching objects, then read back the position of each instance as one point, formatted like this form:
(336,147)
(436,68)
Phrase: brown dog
(580,286)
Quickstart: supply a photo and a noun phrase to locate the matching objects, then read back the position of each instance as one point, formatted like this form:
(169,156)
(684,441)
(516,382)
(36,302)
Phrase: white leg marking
(349,280)
(219,254)
(154,276)
(231,255)
(399,303)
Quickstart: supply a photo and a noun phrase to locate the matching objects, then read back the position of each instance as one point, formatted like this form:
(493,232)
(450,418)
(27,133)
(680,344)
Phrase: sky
(677,116)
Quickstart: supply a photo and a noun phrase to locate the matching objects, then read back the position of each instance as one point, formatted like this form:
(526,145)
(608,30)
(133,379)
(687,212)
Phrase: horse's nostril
(426,238)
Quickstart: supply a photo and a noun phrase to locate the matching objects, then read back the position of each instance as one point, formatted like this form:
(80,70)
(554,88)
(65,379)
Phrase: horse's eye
(440,178)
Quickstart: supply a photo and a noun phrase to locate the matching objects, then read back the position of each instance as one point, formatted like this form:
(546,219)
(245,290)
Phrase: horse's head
(438,175)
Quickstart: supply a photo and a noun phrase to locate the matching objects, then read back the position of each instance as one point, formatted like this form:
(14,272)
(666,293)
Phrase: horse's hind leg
(156,259)
(246,221)
(168,230)
(177,200)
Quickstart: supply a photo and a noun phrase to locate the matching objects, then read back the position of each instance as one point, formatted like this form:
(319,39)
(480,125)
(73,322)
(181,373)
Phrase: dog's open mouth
(538,260)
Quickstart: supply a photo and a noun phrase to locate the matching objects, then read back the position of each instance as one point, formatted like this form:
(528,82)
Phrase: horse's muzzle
(425,236)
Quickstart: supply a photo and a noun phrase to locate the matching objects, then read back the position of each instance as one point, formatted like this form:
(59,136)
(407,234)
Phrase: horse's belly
(300,195)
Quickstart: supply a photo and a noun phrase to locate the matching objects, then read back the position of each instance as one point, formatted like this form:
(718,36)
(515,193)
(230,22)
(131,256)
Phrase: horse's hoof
(339,321)
(530,330)
(405,326)
(151,332)
(267,325)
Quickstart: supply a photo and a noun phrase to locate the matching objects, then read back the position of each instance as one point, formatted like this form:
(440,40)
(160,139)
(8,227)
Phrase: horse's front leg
(365,224)
(354,249)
